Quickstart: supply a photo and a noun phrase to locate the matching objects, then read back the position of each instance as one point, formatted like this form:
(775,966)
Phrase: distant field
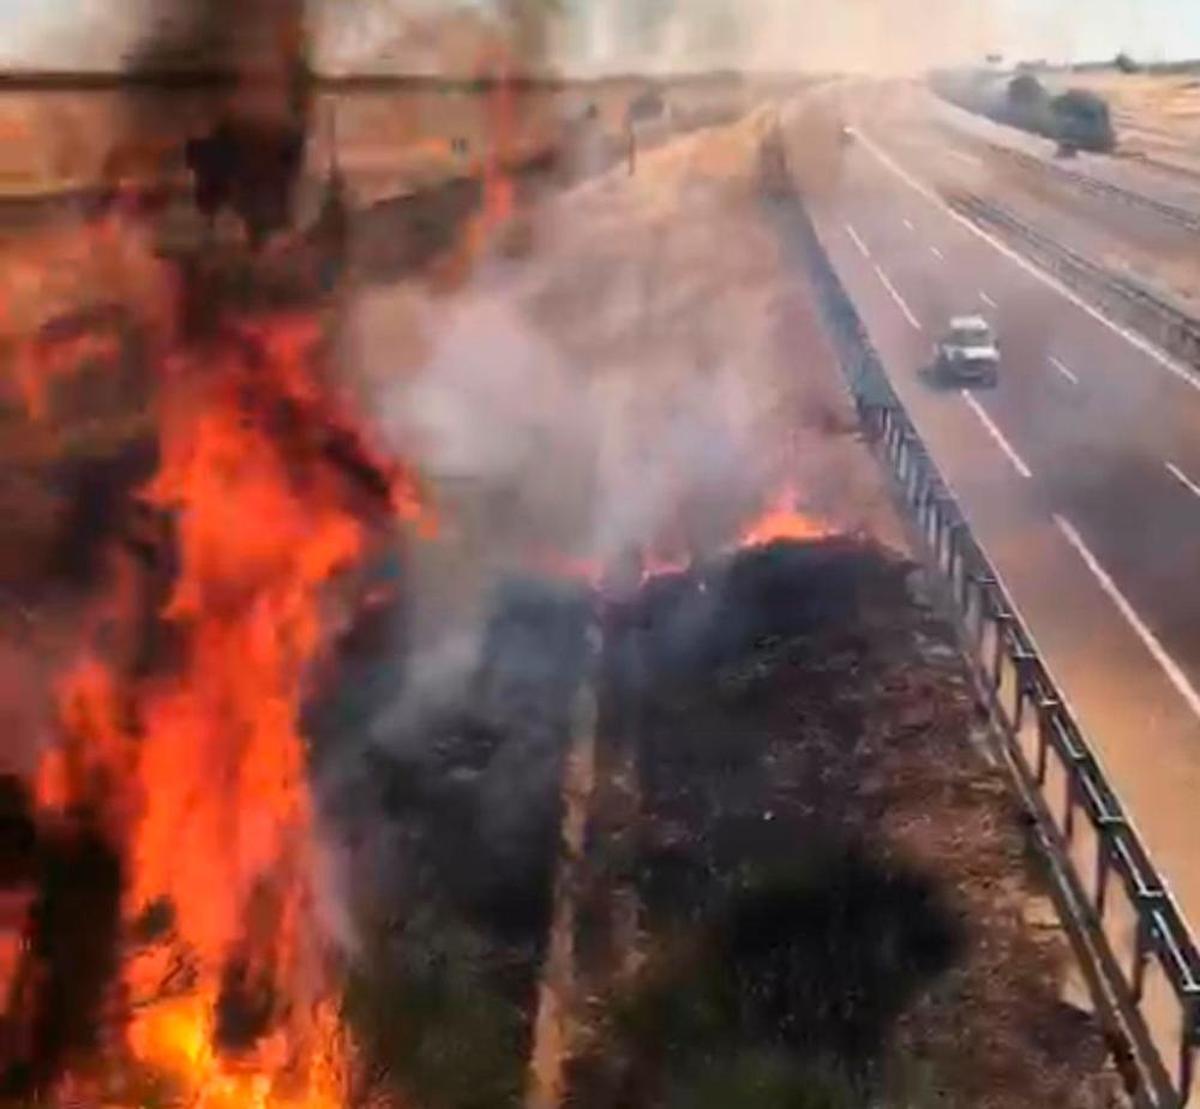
(1156,113)
(61,138)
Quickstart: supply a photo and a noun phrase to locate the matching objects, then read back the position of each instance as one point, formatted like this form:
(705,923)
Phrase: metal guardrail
(1085,182)
(1160,321)
(1107,886)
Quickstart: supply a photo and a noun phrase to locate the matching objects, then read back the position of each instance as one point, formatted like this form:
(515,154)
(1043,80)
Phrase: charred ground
(803,882)
(834,884)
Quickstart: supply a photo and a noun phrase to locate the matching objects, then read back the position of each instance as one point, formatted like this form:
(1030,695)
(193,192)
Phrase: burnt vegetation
(831,886)
(460,830)
(831,881)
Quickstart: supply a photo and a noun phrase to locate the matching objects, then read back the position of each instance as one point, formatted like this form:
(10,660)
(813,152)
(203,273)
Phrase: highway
(1079,473)
(1176,187)
(1127,237)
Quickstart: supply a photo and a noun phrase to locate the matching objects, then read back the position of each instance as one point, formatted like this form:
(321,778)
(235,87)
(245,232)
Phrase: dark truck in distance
(1076,119)
(1081,121)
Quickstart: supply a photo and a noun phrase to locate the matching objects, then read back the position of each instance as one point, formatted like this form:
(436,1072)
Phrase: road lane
(1064,369)
(1101,446)
(1096,450)
(997,435)
(900,148)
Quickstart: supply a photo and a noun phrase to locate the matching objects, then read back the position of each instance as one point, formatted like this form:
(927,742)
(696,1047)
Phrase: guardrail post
(1141,953)
(903,462)
(1070,800)
(943,549)
(912,480)
(984,583)
(1047,707)
(1002,619)
(1104,829)
(957,564)
(1189,1045)
(1023,660)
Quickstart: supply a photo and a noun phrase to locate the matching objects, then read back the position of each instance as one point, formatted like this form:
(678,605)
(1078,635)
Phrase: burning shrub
(180,780)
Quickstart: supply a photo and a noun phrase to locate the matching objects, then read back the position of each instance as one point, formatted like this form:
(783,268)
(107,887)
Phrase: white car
(968,353)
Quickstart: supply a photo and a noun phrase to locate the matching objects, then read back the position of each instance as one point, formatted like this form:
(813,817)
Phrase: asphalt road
(1080,473)
(1178,188)
(1126,238)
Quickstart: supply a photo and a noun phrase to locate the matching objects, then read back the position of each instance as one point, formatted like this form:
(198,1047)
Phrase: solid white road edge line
(996,434)
(1150,641)
(897,297)
(1132,337)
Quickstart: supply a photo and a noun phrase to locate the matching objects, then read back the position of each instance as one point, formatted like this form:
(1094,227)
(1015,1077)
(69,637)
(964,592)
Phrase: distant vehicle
(1081,121)
(646,106)
(969,353)
(1077,119)
(773,163)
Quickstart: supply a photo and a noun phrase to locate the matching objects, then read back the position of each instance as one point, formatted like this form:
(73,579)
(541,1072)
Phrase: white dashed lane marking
(1064,369)
(1150,641)
(900,301)
(1177,369)
(856,239)
(997,435)
(1183,479)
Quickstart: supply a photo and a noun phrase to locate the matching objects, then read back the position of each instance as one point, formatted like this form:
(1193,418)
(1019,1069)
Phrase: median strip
(997,435)
(1170,667)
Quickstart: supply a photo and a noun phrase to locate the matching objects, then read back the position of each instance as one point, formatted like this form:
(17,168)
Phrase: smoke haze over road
(875,35)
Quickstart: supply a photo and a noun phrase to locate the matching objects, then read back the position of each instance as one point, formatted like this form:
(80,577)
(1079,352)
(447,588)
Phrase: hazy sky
(49,33)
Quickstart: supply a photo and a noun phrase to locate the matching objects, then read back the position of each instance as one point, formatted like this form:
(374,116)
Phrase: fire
(50,325)
(782,521)
(192,756)
(498,158)
(499,194)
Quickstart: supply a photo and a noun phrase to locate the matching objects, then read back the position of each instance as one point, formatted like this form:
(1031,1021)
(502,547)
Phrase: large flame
(193,758)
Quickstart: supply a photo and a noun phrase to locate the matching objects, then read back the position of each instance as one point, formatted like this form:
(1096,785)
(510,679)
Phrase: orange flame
(499,193)
(199,768)
(782,521)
